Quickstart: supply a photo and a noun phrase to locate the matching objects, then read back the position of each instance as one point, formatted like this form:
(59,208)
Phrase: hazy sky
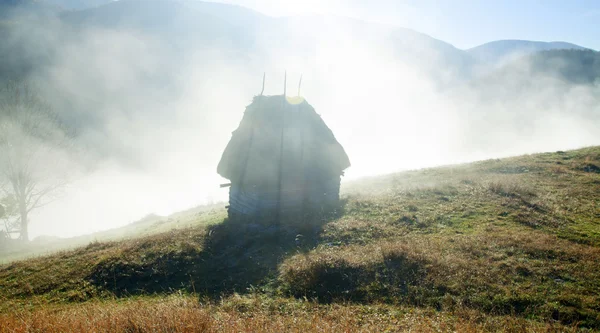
(176,121)
(463,23)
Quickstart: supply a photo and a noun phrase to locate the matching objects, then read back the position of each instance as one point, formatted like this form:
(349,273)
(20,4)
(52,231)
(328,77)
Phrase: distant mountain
(438,58)
(232,14)
(504,49)
(189,25)
(77,4)
(540,73)
(153,16)
(26,8)
(186,25)
(572,66)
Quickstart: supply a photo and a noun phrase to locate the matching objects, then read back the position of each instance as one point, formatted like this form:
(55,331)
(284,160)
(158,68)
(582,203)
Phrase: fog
(154,117)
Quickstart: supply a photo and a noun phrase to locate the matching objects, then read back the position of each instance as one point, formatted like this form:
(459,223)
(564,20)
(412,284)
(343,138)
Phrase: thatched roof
(253,156)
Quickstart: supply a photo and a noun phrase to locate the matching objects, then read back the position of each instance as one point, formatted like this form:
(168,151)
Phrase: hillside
(149,225)
(569,70)
(77,4)
(26,8)
(496,50)
(511,244)
(573,66)
(173,21)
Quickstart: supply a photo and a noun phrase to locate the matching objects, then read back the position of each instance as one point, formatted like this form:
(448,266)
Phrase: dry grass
(256,314)
(501,272)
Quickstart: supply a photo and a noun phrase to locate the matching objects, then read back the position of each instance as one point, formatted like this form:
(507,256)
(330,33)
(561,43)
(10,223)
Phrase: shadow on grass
(237,255)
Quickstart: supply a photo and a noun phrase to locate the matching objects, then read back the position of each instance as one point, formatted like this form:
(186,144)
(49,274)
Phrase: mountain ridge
(240,15)
(511,48)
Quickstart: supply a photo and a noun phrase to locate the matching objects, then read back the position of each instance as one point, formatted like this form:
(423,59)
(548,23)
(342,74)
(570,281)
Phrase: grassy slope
(149,225)
(512,243)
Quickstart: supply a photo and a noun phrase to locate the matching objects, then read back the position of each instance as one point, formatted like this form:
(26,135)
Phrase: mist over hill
(470,203)
(26,8)
(502,49)
(155,88)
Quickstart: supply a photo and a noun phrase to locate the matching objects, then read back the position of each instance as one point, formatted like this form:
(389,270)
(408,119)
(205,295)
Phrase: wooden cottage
(282,161)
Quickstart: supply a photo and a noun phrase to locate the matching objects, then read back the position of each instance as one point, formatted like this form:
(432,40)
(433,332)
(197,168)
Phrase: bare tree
(34,151)
(8,215)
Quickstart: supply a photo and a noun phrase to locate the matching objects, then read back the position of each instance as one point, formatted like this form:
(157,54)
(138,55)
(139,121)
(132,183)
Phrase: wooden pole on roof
(285,84)
(280,176)
(302,166)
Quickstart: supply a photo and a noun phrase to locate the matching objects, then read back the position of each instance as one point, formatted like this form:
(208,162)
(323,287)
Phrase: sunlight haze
(157,88)
(463,23)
